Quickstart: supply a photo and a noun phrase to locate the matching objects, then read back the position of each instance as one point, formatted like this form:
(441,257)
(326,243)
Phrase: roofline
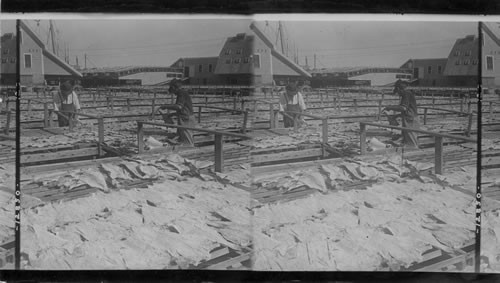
(491,34)
(278,54)
(61,63)
(27,29)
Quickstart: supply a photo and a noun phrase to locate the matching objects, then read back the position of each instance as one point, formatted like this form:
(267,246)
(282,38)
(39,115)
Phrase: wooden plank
(284,156)
(442,264)
(230,262)
(218,155)
(75,153)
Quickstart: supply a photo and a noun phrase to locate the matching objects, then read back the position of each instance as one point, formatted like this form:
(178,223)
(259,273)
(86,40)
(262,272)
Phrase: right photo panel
(364,154)
(490,147)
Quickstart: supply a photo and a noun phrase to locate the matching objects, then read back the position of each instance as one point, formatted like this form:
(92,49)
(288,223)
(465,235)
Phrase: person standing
(183,108)
(291,104)
(66,100)
(409,115)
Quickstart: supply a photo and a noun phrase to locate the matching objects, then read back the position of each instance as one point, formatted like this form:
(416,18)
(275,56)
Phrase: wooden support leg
(45,115)
(199,114)
(219,154)
(355,105)
(379,109)
(128,104)
(438,155)
(245,120)
(425,116)
(324,124)
(271,116)
(140,137)
(100,135)
(491,110)
(362,138)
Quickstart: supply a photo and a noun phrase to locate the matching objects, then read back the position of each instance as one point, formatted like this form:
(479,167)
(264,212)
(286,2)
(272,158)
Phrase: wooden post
(362,138)
(139,93)
(219,154)
(321,98)
(70,120)
(469,107)
(7,123)
(245,120)
(491,110)
(93,98)
(355,105)
(153,105)
(45,115)
(433,100)
(438,155)
(128,104)
(112,104)
(140,137)
(199,114)
(51,122)
(276,119)
(206,101)
(255,108)
(234,103)
(324,137)
(271,116)
(425,116)
(100,135)
(469,125)
(462,101)
(29,106)
(379,109)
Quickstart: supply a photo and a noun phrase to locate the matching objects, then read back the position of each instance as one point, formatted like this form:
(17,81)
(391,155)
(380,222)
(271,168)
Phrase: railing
(438,141)
(274,120)
(218,139)
(48,122)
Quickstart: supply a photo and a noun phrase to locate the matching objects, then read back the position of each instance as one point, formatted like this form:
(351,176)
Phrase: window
(13,60)
(228,51)
(466,62)
(238,51)
(200,68)
(440,69)
(457,62)
(429,70)
(209,68)
(457,53)
(489,62)
(474,62)
(468,53)
(5,51)
(4,60)
(246,60)
(237,61)
(228,61)
(256,60)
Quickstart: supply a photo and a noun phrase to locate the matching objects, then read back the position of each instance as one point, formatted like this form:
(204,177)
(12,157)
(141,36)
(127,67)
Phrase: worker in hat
(408,113)
(66,101)
(183,109)
(291,104)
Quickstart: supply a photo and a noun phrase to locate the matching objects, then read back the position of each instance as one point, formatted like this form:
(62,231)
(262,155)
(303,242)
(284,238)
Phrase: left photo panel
(134,145)
(7,147)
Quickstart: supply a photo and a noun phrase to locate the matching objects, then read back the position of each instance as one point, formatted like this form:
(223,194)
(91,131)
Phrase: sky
(159,42)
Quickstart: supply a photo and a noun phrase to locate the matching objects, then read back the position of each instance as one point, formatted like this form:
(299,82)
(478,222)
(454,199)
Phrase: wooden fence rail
(218,139)
(438,141)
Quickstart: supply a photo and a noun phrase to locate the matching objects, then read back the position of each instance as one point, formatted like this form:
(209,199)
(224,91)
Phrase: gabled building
(462,66)
(427,72)
(236,63)
(38,65)
(491,56)
(270,65)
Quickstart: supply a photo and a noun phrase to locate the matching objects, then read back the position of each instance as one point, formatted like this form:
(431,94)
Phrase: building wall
(262,68)
(29,75)
(491,77)
(197,77)
(429,72)
(148,78)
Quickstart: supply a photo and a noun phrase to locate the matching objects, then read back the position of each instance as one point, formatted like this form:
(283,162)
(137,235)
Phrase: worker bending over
(292,101)
(408,109)
(183,108)
(66,100)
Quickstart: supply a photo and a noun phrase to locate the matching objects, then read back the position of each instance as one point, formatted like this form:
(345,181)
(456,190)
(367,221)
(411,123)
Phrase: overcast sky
(337,44)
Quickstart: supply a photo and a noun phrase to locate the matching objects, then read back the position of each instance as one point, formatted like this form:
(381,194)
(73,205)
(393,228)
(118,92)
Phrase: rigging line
(380,46)
(152,45)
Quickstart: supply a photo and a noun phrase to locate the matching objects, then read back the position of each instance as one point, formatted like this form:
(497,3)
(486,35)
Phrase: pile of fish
(389,225)
(490,239)
(336,176)
(174,223)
